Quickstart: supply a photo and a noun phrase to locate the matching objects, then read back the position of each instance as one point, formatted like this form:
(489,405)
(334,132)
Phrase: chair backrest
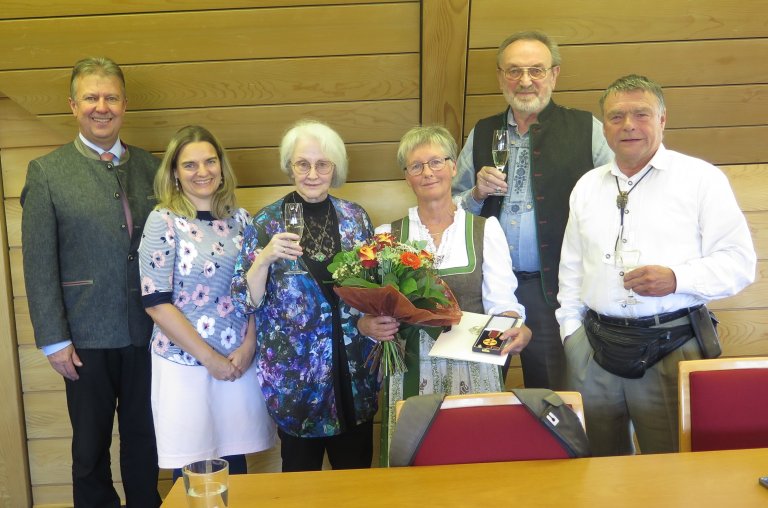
(489,427)
(723,403)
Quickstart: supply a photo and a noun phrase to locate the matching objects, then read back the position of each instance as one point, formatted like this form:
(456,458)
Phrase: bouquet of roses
(385,277)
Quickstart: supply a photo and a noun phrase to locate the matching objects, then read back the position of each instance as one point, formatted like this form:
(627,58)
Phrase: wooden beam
(443,63)
(14,466)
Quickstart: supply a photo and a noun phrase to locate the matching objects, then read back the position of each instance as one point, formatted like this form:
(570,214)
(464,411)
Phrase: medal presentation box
(490,341)
(459,341)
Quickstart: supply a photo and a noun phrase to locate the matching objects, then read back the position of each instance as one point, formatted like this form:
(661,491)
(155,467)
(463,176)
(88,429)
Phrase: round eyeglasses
(416,168)
(516,73)
(304,167)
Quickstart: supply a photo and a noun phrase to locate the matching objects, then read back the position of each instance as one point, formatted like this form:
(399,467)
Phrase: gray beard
(533,106)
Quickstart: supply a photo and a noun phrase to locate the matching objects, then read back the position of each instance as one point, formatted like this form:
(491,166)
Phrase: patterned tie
(109,157)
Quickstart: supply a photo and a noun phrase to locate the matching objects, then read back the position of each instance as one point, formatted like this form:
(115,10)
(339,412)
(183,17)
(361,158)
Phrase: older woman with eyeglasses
(310,353)
(471,256)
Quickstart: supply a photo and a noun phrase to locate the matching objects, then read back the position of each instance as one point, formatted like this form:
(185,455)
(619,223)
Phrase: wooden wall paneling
(594,22)
(15,9)
(753,297)
(721,145)
(246,33)
(443,65)
(17,273)
(50,461)
(758,226)
(743,332)
(24,334)
(46,415)
(721,106)
(233,83)
(14,475)
(14,163)
(260,126)
(19,128)
(60,495)
(749,184)
(13,227)
(36,372)
(677,63)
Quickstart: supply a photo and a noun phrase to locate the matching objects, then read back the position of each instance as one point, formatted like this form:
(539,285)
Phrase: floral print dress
(294,331)
(189,263)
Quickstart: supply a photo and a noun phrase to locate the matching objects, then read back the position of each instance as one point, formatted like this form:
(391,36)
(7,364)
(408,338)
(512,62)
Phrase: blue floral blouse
(294,332)
(189,263)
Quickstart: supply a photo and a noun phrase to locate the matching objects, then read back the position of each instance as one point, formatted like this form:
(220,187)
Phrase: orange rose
(426,255)
(367,256)
(410,259)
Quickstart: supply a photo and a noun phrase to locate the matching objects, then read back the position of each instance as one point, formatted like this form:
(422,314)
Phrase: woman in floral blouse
(205,397)
(310,354)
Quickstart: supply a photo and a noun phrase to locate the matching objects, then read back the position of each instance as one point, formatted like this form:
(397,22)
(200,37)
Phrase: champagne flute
(500,153)
(294,223)
(629,260)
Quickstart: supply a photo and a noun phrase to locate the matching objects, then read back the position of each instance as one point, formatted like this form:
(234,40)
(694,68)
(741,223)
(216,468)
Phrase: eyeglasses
(416,168)
(322,167)
(516,73)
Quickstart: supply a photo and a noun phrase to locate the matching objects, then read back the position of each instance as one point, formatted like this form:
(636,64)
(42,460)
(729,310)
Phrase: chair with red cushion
(723,403)
(489,427)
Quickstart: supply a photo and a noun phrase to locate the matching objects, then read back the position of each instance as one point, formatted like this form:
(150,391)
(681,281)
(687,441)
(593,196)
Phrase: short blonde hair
(330,142)
(169,194)
(426,135)
(99,65)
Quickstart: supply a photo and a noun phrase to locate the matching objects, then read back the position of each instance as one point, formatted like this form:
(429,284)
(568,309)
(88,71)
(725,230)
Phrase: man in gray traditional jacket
(84,208)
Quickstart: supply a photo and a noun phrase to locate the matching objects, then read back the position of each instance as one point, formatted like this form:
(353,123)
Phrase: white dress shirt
(682,215)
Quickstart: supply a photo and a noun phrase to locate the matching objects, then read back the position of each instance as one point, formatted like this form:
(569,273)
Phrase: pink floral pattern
(178,267)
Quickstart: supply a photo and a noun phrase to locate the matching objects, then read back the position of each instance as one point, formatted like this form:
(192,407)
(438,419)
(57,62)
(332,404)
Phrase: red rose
(410,259)
(367,256)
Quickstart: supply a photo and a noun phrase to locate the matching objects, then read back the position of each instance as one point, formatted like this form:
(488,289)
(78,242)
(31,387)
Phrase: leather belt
(646,321)
(527,275)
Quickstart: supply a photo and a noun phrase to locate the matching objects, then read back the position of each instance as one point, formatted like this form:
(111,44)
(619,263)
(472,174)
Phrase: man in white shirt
(651,236)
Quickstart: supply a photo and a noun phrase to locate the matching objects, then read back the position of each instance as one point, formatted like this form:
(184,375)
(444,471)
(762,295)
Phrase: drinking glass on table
(628,260)
(206,483)
(500,153)
(294,223)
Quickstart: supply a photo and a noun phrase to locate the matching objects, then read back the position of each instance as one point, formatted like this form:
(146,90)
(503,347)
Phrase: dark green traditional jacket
(561,152)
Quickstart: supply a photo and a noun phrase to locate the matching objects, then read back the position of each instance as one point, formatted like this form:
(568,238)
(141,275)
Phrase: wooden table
(696,480)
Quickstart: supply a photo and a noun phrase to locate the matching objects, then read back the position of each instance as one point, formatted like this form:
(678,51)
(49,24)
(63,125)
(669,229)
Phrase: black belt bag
(628,351)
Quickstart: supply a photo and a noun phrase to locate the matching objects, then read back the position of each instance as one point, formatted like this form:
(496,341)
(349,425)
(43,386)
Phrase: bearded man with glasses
(550,148)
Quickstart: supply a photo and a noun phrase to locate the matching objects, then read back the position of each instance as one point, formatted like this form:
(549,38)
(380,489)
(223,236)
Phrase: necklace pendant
(622,199)
(319,257)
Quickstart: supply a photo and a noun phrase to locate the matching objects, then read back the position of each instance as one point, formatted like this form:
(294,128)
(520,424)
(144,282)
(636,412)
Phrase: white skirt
(198,417)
